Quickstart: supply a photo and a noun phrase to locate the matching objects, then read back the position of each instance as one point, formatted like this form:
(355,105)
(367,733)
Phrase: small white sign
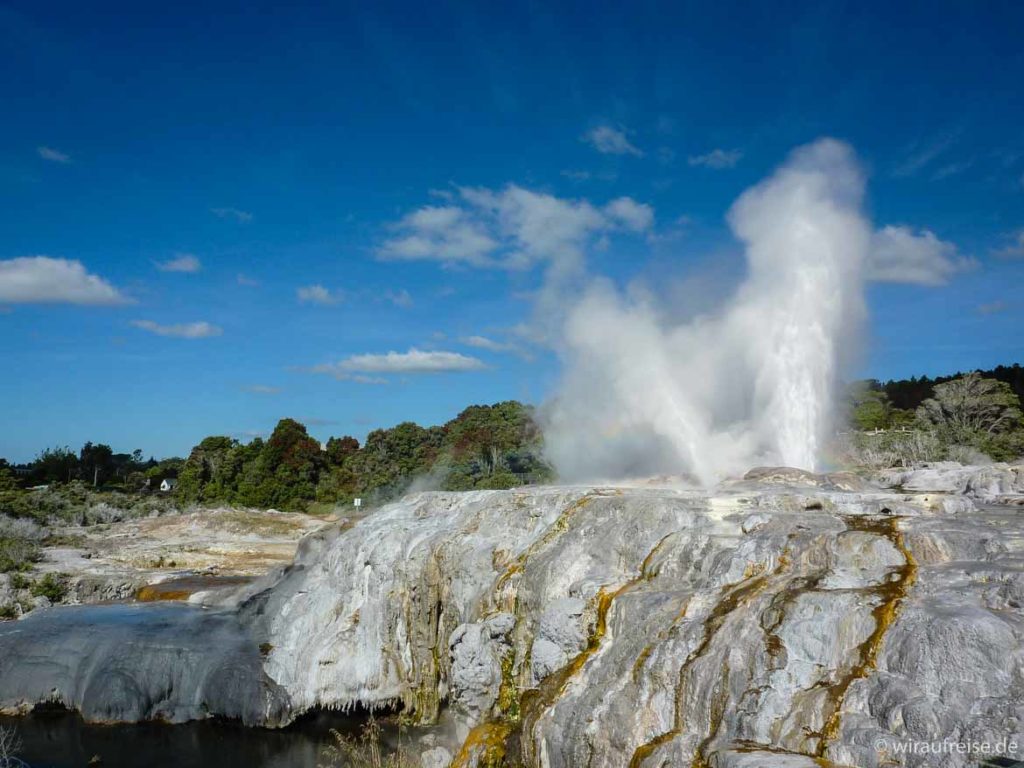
(357,502)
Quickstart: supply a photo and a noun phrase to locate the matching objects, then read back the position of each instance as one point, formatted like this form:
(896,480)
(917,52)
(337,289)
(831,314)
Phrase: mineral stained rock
(784,619)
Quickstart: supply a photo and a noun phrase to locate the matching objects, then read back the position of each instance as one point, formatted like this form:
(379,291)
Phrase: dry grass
(367,750)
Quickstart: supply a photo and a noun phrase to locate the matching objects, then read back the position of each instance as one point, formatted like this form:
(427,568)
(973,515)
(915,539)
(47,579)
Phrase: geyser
(753,382)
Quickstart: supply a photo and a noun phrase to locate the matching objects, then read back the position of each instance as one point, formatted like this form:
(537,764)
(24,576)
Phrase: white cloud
(580,175)
(1013,249)
(513,228)
(922,154)
(951,169)
(633,215)
(182,262)
(901,255)
(400,298)
(991,307)
(247,281)
(492,345)
(43,280)
(232,213)
(415,361)
(317,294)
(197,330)
(53,155)
(718,159)
(611,141)
(261,389)
(447,234)
(482,342)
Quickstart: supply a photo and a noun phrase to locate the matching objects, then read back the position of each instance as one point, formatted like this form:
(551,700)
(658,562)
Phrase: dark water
(62,740)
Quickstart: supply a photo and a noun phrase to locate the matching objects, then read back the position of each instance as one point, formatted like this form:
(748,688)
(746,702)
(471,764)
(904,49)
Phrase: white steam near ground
(752,383)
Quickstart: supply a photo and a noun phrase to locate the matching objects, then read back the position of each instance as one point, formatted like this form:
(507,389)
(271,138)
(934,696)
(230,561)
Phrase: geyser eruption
(753,382)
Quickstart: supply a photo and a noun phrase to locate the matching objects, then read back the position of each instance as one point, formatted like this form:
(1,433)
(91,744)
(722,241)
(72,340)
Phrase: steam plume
(752,382)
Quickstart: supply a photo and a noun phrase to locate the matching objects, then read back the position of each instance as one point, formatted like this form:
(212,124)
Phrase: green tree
(869,406)
(95,462)
(978,412)
(55,465)
(339,449)
(8,482)
(288,467)
(206,464)
(971,405)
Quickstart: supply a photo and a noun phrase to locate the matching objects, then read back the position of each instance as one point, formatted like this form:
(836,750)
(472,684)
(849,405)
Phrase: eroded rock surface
(783,620)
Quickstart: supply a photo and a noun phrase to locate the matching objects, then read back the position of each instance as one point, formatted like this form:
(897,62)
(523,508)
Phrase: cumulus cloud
(182,262)
(317,294)
(900,255)
(718,159)
(611,141)
(511,228)
(53,155)
(638,217)
(360,368)
(197,330)
(440,233)
(232,213)
(44,280)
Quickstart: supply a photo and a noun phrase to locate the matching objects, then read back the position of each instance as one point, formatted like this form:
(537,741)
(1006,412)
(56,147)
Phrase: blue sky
(225,200)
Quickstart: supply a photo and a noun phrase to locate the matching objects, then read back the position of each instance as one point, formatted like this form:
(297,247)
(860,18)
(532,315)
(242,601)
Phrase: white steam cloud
(751,383)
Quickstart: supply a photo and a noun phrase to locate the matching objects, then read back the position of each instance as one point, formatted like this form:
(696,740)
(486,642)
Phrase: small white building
(168,484)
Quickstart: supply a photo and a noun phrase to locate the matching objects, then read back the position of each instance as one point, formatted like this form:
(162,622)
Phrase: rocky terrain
(168,556)
(785,619)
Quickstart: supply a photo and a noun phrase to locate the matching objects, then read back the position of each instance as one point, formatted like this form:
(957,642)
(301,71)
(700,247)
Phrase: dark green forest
(908,394)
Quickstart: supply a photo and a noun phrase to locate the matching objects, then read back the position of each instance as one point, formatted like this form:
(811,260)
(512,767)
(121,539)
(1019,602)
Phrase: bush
(17,554)
(19,581)
(895,448)
(52,586)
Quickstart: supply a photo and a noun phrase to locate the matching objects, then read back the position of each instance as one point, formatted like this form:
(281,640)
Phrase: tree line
(958,416)
(94,464)
(485,446)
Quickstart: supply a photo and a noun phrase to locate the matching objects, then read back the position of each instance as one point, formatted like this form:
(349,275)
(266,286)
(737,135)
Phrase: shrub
(368,750)
(20,581)
(17,554)
(52,586)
